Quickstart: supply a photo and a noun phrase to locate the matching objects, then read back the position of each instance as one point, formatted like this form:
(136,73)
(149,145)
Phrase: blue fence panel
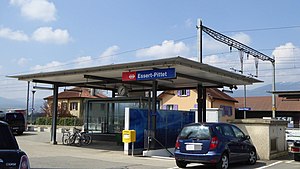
(168,125)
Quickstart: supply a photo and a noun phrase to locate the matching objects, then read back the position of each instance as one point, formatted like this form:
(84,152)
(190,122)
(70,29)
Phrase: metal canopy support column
(204,104)
(27,102)
(54,114)
(149,120)
(199,102)
(153,115)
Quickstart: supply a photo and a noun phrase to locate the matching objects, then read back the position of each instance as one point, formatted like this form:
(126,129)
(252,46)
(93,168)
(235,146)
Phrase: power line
(263,29)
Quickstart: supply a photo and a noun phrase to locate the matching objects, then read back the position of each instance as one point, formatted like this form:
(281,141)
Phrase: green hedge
(61,121)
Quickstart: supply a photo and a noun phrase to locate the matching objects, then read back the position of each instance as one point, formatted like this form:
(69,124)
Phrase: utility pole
(273,94)
(242,72)
(199,33)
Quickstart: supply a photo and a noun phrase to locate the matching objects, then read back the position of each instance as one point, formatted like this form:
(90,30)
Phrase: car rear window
(7,140)
(198,132)
(14,116)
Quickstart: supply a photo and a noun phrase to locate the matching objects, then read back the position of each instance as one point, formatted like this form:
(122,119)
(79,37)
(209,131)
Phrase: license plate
(193,147)
(15,128)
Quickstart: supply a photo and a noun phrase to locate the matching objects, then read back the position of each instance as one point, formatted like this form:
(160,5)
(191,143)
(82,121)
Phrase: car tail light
(177,145)
(295,149)
(24,163)
(213,143)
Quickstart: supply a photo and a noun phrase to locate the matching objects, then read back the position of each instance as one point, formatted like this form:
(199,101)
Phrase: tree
(62,109)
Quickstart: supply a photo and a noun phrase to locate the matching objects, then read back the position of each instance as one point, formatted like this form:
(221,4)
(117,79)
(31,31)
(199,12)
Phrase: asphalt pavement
(107,155)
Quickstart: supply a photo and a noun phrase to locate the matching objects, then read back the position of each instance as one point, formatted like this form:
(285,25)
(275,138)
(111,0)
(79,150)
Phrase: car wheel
(181,164)
(252,157)
(224,162)
(297,157)
(19,132)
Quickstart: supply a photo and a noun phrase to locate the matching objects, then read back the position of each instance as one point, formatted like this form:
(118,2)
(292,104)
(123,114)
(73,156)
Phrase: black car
(15,120)
(11,157)
(213,143)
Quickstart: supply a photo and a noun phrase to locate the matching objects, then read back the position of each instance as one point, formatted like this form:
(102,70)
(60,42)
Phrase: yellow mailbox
(128,136)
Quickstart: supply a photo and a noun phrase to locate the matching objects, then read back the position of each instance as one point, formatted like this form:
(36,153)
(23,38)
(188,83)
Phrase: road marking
(270,165)
(288,162)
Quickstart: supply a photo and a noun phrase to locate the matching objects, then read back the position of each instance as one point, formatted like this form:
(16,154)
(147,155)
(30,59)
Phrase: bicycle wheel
(72,139)
(86,139)
(65,139)
(78,141)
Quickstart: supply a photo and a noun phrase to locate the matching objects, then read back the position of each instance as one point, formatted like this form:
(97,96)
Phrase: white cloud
(286,52)
(13,35)
(214,59)
(48,35)
(188,23)
(52,66)
(83,61)
(166,49)
(36,9)
(242,37)
(107,57)
(287,59)
(22,61)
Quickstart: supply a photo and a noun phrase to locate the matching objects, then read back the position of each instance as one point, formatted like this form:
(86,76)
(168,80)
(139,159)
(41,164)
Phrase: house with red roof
(187,99)
(261,106)
(72,101)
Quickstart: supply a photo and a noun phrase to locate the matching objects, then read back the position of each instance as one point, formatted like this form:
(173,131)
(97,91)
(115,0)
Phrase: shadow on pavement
(26,134)
(232,166)
(102,145)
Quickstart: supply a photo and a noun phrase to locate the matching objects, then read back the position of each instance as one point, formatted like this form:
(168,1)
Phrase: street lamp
(32,109)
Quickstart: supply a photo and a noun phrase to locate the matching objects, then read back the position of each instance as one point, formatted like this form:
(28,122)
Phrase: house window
(74,106)
(183,92)
(170,107)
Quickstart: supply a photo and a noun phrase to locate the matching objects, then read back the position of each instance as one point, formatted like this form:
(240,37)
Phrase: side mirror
(247,137)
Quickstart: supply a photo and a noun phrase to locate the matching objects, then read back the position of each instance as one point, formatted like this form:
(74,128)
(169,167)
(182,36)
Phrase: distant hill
(19,103)
(262,91)
(11,103)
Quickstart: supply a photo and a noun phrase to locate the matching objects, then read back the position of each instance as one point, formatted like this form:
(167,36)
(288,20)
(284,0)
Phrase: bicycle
(77,138)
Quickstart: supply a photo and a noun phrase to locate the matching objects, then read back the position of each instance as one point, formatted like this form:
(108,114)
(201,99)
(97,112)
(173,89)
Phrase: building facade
(71,102)
(187,100)
(261,106)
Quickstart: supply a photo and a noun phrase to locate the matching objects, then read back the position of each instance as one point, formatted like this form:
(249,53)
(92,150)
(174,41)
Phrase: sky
(49,35)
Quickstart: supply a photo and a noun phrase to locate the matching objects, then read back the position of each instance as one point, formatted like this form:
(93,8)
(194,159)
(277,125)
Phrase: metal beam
(50,82)
(202,80)
(235,44)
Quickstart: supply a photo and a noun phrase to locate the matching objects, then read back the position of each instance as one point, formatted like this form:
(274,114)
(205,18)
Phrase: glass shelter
(107,116)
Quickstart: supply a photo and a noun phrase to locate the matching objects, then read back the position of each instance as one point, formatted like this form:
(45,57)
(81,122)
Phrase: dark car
(11,157)
(213,143)
(15,120)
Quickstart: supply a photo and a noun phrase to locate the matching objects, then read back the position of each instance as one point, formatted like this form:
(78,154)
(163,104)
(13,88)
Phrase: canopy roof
(288,94)
(188,75)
